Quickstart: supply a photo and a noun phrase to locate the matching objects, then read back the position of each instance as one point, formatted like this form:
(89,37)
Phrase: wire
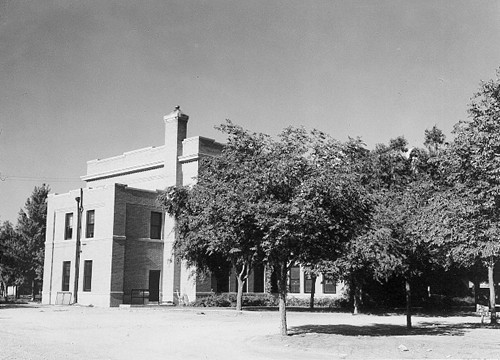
(28,178)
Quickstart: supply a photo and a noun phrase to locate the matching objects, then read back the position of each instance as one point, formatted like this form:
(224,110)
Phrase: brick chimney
(175,132)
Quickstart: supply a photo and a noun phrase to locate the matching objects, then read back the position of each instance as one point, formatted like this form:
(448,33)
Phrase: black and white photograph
(216,179)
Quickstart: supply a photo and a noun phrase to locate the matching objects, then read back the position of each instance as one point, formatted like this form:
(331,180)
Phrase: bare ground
(74,332)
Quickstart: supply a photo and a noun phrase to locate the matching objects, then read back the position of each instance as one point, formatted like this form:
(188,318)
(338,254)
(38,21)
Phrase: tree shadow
(317,309)
(18,305)
(467,312)
(376,330)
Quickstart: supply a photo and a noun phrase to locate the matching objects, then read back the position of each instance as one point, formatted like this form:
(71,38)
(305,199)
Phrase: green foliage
(341,302)
(22,247)
(229,300)
(9,272)
(31,228)
(292,200)
(215,300)
(434,139)
(267,300)
(473,164)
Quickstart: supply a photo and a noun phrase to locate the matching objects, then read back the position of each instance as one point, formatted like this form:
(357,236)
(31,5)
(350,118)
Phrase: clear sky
(81,80)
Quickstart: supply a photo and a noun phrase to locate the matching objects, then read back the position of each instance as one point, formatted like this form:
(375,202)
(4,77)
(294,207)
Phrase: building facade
(119,242)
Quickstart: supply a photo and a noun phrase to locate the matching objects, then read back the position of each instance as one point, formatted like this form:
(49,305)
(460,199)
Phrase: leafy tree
(402,184)
(28,250)
(312,202)
(8,274)
(473,165)
(216,217)
(286,201)
(434,139)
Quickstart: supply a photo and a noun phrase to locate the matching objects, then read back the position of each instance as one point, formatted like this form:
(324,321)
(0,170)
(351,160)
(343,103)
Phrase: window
(68,226)
(307,283)
(294,281)
(329,285)
(155,232)
(66,270)
(90,223)
(87,275)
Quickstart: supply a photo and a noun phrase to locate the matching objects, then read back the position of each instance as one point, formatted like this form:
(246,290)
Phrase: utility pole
(79,205)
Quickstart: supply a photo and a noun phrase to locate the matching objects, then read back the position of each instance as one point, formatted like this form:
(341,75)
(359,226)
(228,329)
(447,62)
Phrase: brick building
(123,245)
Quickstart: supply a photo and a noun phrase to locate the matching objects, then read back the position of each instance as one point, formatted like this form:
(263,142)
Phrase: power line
(30,178)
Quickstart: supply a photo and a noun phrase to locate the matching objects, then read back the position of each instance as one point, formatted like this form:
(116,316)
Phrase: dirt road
(73,332)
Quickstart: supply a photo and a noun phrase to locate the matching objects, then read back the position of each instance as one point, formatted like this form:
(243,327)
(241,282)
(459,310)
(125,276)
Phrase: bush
(321,302)
(229,300)
(259,300)
(216,300)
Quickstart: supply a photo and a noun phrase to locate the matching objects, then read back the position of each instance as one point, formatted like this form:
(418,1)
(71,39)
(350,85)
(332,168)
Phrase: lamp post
(79,205)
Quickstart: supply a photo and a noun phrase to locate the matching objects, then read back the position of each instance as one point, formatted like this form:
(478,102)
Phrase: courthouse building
(113,234)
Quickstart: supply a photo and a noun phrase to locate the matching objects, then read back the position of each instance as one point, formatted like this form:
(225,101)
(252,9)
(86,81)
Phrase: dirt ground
(74,332)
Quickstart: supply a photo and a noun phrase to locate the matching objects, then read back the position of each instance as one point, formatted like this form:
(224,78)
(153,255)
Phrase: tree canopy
(291,200)
(22,247)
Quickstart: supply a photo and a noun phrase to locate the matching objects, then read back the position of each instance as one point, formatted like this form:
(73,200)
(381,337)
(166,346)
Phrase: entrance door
(154,285)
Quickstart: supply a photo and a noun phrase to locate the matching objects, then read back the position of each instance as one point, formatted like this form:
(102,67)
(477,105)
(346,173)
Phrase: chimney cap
(177,114)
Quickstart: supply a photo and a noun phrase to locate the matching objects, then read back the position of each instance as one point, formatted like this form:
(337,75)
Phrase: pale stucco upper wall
(131,161)
(145,168)
(198,146)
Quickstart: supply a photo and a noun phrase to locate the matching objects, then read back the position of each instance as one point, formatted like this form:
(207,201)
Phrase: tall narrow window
(155,232)
(90,223)
(87,275)
(68,226)
(66,270)
(294,281)
(307,283)
(329,285)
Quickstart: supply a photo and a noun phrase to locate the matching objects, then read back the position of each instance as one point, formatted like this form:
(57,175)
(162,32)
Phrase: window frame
(326,280)
(294,282)
(66,275)
(307,279)
(68,226)
(87,275)
(155,229)
(90,226)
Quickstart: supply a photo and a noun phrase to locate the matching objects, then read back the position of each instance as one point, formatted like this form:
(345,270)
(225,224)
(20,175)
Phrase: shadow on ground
(388,329)
(460,311)
(13,305)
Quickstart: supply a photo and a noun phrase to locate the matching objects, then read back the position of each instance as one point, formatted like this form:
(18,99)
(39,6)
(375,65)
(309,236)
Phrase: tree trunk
(282,290)
(242,276)
(355,299)
(33,289)
(491,285)
(476,290)
(268,287)
(313,290)
(239,295)
(408,303)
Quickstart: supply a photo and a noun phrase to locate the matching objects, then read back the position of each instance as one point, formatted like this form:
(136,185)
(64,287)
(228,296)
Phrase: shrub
(216,300)
(259,300)
(229,300)
(321,302)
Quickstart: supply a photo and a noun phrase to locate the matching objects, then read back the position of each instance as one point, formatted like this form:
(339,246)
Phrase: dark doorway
(154,285)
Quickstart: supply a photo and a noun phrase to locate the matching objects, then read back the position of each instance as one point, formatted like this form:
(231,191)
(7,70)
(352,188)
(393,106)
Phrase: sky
(81,80)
